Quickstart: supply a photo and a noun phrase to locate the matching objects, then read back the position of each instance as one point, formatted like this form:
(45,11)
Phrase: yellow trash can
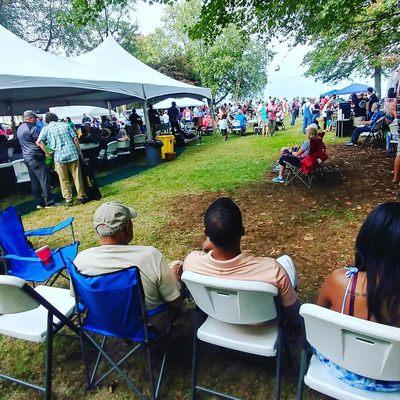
(168,144)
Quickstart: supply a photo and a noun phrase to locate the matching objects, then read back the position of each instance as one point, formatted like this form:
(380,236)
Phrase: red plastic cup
(44,253)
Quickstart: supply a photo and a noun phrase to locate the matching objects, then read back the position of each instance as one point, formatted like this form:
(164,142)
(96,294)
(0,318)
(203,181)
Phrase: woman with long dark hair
(371,288)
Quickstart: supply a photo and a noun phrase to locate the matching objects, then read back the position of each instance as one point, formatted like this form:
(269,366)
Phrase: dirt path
(317,226)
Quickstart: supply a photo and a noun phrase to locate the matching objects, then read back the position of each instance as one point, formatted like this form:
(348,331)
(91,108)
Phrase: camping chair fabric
(309,165)
(34,270)
(34,315)
(113,306)
(366,348)
(241,315)
(21,259)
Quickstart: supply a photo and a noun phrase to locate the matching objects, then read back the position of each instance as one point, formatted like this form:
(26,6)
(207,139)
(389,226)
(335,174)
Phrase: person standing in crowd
(136,122)
(272,111)
(34,158)
(373,98)
(223,126)
(187,115)
(62,140)
(174,116)
(39,123)
(85,118)
(154,119)
(264,120)
(71,124)
(295,110)
(360,109)
(307,114)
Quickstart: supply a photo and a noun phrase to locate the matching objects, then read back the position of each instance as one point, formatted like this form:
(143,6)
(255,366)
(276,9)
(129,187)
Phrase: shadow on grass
(103,178)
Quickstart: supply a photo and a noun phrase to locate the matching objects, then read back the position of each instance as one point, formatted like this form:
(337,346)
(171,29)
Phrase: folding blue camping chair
(112,306)
(21,260)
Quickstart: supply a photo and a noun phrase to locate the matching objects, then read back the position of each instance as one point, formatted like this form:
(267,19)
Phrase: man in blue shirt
(367,125)
(34,158)
(242,119)
(63,142)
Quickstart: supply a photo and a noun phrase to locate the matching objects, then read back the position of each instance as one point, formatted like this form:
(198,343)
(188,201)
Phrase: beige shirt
(246,268)
(159,283)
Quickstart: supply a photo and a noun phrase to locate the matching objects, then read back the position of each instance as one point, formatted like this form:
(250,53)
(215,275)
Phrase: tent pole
(109,109)
(212,113)
(12,117)
(147,120)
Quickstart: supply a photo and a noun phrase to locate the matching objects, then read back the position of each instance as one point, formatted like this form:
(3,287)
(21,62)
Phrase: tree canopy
(348,36)
(45,24)
(231,63)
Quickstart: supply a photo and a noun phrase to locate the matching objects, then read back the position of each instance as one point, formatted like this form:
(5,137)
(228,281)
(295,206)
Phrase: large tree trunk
(378,81)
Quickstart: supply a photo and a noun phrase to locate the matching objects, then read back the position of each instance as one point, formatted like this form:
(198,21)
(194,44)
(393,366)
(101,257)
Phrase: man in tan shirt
(113,224)
(222,256)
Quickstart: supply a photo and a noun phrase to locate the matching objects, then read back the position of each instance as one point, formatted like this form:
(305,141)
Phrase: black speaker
(346,109)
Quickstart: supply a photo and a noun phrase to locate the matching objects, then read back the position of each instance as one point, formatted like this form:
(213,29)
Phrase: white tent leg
(147,121)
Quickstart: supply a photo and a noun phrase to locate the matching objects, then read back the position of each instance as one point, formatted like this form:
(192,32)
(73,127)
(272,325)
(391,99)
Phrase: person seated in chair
(222,256)
(370,288)
(242,119)
(366,126)
(294,156)
(112,222)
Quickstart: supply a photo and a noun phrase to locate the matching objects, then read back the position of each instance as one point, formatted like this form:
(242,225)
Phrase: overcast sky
(285,74)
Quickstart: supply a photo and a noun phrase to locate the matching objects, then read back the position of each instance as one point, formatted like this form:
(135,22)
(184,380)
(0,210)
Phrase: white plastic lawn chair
(242,316)
(363,347)
(34,315)
(124,148)
(139,141)
(236,127)
(21,172)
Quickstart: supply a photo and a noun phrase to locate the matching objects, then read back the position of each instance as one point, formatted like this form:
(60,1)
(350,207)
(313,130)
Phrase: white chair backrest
(12,298)
(112,147)
(124,145)
(236,123)
(20,171)
(232,301)
(363,347)
(140,138)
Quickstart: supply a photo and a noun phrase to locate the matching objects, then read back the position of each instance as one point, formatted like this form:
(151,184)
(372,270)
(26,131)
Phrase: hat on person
(110,217)
(30,114)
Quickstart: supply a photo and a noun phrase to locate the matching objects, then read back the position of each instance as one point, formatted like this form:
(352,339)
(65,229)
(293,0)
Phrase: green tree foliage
(231,63)
(43,23)
(371,45)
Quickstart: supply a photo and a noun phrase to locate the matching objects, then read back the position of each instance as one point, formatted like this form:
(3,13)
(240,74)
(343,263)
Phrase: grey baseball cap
(110,217)
(30,114)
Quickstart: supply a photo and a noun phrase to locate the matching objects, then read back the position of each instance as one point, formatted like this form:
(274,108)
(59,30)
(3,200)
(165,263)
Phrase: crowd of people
(367,290)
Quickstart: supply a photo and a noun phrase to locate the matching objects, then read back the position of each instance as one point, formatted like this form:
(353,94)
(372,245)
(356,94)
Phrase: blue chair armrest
(157,310)
(19,258)
(50,230)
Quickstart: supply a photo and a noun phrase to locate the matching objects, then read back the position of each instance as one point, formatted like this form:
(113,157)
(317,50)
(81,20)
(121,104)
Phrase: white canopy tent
(183,102)
(34,79)
(76,112)
(111,60)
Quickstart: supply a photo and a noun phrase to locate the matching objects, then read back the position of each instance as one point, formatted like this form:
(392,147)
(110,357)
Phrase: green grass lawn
(156,193)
